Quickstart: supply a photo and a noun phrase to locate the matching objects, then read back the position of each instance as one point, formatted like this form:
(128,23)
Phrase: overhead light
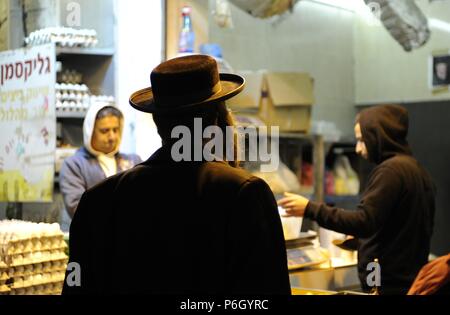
(355,6)
(349,5)
(439,24)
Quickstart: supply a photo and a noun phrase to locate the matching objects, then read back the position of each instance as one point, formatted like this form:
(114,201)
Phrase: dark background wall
(429,136)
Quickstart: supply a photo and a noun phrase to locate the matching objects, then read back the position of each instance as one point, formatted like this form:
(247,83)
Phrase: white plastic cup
(291,225)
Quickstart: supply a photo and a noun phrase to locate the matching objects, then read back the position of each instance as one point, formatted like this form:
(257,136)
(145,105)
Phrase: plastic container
(291,225)
(186,41)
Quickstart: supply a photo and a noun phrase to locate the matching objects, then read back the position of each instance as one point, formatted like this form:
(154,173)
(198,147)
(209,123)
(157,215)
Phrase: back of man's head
(216,114)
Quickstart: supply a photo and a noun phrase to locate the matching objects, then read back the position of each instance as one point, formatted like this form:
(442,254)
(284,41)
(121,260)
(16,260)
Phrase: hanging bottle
(187,36)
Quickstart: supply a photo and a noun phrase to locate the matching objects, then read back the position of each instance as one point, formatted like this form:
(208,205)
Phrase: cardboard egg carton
(34,245)
(37,279)
(4,277)
(49,283)
(54,288)
(4,289)
(39,268)
(4,273)
(16,230)
(35,258)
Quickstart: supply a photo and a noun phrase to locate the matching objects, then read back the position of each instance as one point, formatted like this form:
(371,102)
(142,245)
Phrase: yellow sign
(27,124)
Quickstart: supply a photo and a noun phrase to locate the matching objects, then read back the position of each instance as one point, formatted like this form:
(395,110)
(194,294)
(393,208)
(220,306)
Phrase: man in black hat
(181,226)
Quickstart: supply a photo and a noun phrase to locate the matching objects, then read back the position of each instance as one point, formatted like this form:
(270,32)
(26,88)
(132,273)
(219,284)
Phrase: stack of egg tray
(32,264)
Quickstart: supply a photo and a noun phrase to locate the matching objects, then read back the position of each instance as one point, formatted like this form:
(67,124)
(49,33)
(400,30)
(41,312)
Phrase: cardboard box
(245,105)
(249,99)
(287,99)
(281,99)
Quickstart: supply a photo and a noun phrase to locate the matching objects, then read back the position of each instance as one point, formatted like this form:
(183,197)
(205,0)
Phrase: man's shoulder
(209,172)
(217,174)
(220,172)
(400,162)
(106,186)
(404,168)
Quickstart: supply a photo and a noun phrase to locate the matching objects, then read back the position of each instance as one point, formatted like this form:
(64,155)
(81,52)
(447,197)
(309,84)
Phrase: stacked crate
(32,258)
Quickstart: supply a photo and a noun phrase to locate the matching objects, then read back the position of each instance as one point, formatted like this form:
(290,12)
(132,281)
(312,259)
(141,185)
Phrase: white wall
(384,72)
(139,50)
(315,38)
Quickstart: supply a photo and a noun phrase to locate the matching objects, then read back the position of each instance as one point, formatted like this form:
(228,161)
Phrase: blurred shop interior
(310,67)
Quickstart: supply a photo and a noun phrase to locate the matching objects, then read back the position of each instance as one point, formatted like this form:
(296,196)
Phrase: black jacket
(394,219)
(182,228)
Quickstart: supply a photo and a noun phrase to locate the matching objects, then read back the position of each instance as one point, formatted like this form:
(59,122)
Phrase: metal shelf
(108,52)
(70,113)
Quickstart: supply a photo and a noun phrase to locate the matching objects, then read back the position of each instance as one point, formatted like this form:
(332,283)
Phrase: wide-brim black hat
(184,84)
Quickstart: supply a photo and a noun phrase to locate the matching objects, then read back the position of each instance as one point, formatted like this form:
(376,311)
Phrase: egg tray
(4,275)
(4,289)
(48,266)
(72,88)
(5,239)
(72,106)
(33,258)
(38,279)
(11,279)
(60,247)
(33,244)
(73,97)
(54,288)
(39,268)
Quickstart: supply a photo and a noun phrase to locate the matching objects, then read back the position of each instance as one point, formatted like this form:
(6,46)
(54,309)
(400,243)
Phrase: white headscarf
(106,161)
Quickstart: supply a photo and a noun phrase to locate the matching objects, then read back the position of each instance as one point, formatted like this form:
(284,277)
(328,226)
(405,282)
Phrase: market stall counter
(312,270)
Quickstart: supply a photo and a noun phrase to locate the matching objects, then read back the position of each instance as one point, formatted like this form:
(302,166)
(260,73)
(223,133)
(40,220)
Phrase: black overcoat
(179,228)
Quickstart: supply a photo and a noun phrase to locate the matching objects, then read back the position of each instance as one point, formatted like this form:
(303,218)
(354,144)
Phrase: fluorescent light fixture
(349,5)
(355,6)
(439,24)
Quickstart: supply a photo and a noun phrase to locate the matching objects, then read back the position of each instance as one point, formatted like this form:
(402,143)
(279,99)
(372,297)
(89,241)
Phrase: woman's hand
(293,204)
